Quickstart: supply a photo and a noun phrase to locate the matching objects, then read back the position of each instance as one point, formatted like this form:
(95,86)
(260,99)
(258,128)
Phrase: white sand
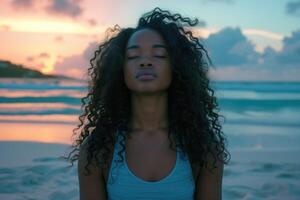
(33,171)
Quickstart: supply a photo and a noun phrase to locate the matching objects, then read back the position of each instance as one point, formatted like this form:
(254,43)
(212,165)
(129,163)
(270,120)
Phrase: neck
(149,113)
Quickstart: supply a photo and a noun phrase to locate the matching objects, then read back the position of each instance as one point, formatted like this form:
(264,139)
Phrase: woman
(149,129)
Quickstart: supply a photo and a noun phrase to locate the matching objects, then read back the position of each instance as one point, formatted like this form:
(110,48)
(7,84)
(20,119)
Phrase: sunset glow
(36,132)
(46,26)
(62,34)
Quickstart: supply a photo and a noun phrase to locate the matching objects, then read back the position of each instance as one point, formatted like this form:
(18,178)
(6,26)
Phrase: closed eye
(133,57)
(160,56)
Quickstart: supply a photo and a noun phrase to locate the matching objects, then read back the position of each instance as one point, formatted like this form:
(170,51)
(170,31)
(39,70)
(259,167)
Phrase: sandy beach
(31,170)
(35,171)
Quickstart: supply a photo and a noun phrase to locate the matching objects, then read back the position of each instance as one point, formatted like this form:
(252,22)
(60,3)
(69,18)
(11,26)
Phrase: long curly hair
(192,106)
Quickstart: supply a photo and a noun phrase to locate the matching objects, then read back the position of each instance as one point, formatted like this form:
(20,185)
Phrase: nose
(145,64)
(146,61)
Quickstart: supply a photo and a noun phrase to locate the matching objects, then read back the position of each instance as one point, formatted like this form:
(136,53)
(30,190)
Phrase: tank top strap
(114,168)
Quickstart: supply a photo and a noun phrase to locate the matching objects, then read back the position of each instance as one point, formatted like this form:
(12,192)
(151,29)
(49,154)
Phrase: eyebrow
(153,46)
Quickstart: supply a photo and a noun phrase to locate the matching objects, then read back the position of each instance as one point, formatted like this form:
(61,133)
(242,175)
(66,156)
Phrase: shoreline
(16,153)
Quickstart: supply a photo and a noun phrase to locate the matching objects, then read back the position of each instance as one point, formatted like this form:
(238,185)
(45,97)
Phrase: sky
(248,40)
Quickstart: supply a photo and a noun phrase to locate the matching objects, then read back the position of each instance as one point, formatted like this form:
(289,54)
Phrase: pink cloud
(43,55)
(30,58)
(59,38)
(76,65)
(5,27)
(40,56)
(22,4)
(92,22)
(70,8)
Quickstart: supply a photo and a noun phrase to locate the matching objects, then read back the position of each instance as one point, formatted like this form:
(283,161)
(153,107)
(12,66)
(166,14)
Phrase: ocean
(261,124)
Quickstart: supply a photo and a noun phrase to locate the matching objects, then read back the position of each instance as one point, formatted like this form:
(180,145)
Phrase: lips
(145,72)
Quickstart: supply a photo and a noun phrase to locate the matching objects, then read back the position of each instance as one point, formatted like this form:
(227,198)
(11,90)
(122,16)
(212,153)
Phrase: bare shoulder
(209,183)
(91,186)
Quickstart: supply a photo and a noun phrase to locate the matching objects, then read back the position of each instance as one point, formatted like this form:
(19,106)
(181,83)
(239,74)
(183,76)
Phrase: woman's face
(147,62)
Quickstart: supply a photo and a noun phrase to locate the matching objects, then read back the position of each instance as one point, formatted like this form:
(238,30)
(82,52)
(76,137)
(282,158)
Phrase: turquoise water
(258,115)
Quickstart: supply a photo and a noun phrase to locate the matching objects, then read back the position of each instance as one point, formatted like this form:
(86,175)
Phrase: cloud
(238,60)
(24,4)
(76,65)
(293,8)
(230,47)
(268,57)
(290,53)
(218,1)
(30,58)
(69,8)
(263,33)
(89,51)
(59,38)
(41,56)
(92,22)
(5,27)
(287,56)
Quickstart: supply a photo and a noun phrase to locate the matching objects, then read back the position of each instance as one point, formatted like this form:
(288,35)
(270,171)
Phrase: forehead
(145,36)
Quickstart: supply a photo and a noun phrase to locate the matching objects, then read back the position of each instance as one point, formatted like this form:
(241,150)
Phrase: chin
(149,90)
